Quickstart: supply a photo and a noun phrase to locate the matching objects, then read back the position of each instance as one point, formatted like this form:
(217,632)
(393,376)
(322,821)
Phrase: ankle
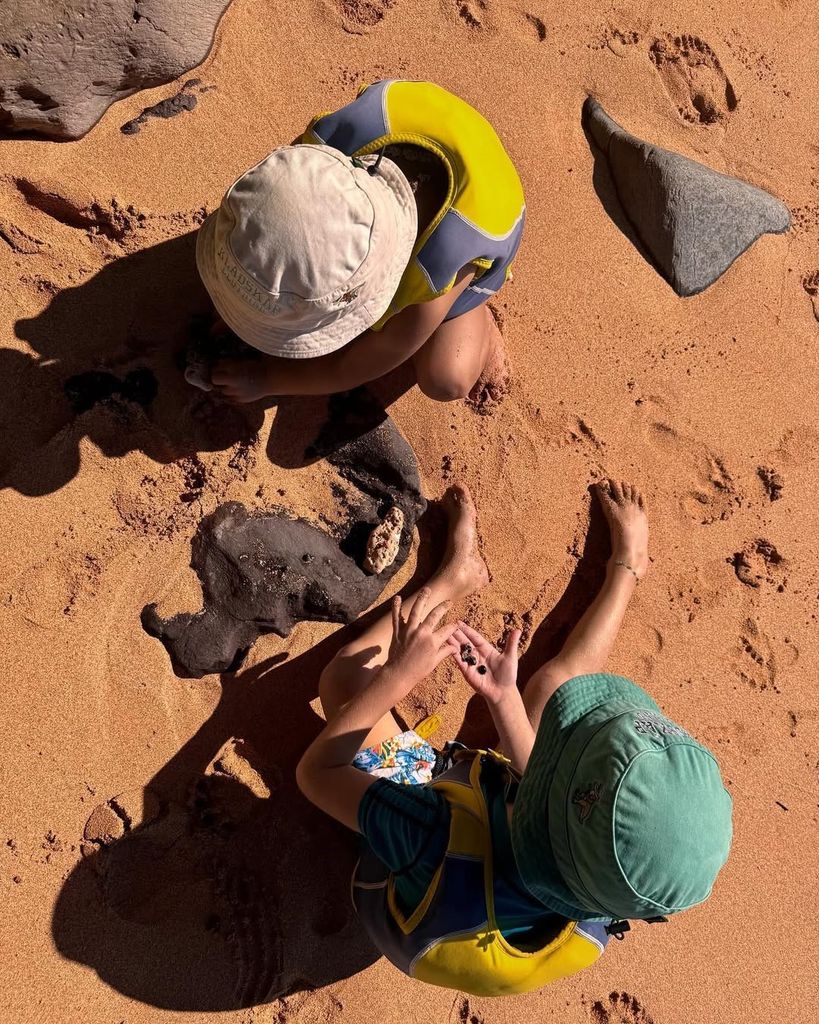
(623,564)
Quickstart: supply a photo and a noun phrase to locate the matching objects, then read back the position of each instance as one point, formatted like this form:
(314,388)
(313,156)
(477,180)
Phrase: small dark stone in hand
(466,650)
(482,669)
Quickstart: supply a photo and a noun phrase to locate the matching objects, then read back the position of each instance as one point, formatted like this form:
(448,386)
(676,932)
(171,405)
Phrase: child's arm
(325,774)
(366,358)
(498,685)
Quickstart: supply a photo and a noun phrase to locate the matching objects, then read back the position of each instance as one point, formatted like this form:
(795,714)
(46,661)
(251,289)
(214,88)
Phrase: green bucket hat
(620,813)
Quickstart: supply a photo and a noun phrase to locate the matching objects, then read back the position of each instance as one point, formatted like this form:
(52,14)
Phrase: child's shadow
(227,888)
(218,885)
(125,327)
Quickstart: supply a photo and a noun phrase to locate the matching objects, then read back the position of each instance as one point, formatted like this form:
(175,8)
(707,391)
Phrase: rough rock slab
(694,222)
(62,65)
(263,573)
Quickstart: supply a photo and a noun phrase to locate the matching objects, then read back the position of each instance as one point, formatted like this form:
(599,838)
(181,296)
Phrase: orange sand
(229,887)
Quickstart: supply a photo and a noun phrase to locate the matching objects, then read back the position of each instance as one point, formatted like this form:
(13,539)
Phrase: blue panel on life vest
(350,132)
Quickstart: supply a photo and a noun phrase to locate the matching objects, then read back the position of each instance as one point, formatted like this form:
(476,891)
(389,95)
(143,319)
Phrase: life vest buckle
(618,929)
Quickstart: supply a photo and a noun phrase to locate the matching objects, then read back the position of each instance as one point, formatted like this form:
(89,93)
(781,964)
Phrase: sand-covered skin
(215,895)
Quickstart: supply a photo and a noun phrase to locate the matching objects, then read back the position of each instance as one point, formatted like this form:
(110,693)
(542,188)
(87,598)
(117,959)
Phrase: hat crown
(647,821)
(308,248)
(301,223)
(620,813)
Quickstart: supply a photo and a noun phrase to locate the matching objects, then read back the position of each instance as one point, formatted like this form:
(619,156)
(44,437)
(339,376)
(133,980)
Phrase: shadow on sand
(109,356)
(227,889)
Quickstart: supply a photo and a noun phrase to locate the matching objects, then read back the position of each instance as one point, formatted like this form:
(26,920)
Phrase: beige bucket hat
(308,248)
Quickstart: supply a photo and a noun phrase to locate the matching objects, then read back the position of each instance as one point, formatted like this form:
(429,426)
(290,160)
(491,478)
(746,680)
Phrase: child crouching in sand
(374,240)
(499,874)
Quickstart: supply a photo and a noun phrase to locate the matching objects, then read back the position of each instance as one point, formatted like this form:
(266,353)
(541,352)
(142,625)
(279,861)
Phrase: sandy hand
(419,643)
(490,672)
(241,380)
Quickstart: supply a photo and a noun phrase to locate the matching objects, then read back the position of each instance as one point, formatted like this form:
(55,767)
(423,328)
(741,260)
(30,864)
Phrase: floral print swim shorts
(406,758)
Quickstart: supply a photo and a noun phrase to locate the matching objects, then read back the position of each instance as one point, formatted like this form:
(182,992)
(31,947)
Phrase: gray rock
(693,221)
(62,66)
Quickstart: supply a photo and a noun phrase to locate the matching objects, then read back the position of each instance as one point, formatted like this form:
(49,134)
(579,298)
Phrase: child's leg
(461,573)
(460,353)
(590,642)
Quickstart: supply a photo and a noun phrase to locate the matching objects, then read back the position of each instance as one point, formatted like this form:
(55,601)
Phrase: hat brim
(394,202)
(531,842)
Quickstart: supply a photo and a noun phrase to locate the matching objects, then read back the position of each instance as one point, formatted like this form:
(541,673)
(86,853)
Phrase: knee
(337,682)
(444,387)
(331,686)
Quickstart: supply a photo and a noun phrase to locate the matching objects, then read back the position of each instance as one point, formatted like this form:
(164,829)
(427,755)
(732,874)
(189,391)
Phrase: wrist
(509,699)
(398,677)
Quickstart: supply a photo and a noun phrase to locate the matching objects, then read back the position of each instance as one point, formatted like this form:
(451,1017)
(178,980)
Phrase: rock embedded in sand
(122,813)
(693,221)
(104,826)
(384,541)
(264,572)
(61,70)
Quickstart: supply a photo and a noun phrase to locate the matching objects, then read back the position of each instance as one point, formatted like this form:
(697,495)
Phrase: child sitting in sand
(499,874)
(374,240)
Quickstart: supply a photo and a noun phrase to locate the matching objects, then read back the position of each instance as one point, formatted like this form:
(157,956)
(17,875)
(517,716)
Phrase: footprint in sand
(360,16)
(759,562)
(473,13)
(694,79)
(231,788)
(247,920)
(772,481)
(481,15)
(757,666)
(810,282)
(621,41)
(620,1008)
(466,1015)
(714,495)
(761,659)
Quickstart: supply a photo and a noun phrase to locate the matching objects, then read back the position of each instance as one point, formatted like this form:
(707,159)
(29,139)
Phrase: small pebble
(482,669)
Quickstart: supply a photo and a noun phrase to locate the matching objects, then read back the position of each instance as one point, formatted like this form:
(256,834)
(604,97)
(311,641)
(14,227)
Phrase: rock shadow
(606,191)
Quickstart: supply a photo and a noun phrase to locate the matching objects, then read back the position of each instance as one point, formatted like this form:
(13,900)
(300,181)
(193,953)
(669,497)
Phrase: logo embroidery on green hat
(586,799)
(652,722)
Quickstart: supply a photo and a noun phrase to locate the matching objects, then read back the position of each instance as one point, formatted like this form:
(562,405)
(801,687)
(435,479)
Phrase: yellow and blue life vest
(481,221)
(452,937)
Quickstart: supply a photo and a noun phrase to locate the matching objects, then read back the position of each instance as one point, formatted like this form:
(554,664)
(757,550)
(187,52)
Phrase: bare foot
(624,508)
(493,383)
(462,562)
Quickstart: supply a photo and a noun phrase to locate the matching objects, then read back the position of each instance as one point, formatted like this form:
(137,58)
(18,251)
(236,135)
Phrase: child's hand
(241,380)
(500,675)
(418,645)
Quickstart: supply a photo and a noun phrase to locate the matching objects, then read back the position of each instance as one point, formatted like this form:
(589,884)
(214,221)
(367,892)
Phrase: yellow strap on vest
(485,963)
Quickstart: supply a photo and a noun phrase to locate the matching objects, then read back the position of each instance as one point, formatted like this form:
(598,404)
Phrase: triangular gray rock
(693,221)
